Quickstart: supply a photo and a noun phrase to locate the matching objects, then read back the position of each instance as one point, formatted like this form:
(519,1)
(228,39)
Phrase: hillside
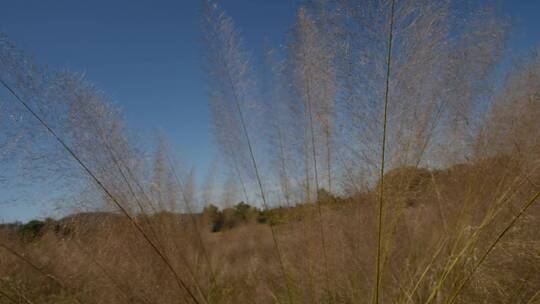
(431,206)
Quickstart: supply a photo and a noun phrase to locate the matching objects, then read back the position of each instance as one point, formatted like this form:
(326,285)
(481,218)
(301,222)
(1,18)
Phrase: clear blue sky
(144,54)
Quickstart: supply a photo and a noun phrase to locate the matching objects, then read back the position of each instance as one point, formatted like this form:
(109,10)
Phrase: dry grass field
(441,223)
(389,153)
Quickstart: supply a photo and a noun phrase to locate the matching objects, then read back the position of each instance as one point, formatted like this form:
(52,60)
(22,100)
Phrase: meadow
(387,152)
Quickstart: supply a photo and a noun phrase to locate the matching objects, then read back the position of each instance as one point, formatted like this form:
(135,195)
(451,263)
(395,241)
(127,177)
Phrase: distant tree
(241,211)
(32,229)
(215,217)
(324,196)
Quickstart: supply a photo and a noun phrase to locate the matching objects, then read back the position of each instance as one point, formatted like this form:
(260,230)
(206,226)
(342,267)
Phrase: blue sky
(144,54)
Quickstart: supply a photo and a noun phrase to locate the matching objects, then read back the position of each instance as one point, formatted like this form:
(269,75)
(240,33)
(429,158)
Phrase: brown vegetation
(446,212)
(382,166)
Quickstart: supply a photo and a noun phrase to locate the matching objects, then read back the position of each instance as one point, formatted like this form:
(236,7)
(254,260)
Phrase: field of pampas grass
(379,158)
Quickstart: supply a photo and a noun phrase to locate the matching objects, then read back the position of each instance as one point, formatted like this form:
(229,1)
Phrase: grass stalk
(109,276)
(180,283)
(316,176)
(49,276)
(260,186)
(529,203)
(193,220)
(119,164)
(378,273)
(534,297)
(8,297)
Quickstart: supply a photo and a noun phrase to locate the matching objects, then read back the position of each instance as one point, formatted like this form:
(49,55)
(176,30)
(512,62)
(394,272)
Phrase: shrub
(326,197)
(242,211)
(215,217)
(32,229)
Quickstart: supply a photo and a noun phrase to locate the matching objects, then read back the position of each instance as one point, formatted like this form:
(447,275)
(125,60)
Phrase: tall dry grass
(428,194)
